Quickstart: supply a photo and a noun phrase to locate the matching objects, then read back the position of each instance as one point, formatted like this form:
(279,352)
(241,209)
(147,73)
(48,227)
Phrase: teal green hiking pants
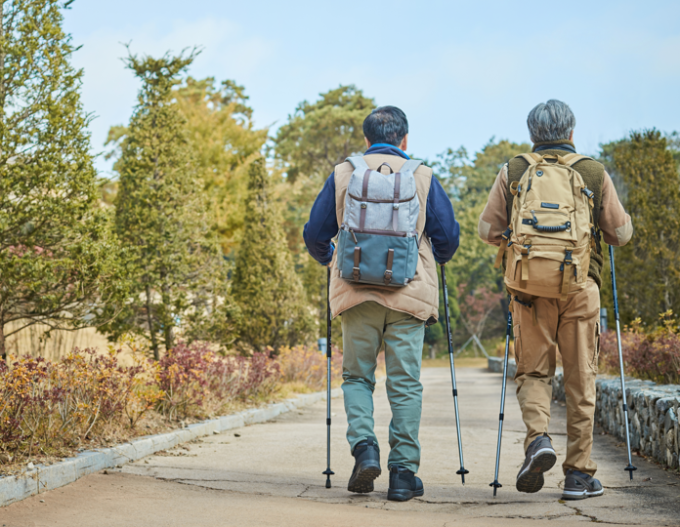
(364,328)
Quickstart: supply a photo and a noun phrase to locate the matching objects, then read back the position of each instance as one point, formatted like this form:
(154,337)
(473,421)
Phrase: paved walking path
(270,474)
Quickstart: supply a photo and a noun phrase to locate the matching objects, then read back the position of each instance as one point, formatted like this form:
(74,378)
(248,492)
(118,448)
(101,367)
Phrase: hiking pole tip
(328,473)
(462,473)
(630,468)
(495,486)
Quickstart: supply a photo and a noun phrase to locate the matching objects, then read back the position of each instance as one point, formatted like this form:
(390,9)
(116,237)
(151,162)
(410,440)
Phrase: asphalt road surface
(270,475)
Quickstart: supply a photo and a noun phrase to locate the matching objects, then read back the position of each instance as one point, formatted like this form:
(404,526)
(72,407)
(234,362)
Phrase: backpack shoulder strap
(411,164)
(532,158)
(572,159)
(358,162)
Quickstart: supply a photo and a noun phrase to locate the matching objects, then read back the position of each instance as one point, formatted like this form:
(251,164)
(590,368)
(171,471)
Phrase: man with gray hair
(568,320)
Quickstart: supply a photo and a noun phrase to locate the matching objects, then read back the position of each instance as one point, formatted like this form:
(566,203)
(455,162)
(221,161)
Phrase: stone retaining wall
(652,412)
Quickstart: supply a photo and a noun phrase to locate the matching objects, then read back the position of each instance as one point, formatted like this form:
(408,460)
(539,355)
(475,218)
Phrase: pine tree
(57,257)
(176,269)
(265,287)
(648,268)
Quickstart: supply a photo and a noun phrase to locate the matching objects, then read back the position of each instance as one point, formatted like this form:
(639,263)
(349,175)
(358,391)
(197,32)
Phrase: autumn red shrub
(196,381)
(653,355)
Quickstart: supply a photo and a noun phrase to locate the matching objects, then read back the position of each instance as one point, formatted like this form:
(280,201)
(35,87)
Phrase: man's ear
(571,136)
(404,143)
(368,143)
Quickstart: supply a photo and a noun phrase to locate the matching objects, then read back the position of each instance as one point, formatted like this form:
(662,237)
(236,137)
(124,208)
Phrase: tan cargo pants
(573,326)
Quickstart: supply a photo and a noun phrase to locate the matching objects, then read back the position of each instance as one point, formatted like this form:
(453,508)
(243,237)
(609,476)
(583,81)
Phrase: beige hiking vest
(420,297)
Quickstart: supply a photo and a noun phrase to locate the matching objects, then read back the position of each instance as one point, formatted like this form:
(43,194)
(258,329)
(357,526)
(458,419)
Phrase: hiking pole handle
(630,468)
(462,471)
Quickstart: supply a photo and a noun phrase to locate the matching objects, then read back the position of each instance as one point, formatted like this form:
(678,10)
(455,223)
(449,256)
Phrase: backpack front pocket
(378,259)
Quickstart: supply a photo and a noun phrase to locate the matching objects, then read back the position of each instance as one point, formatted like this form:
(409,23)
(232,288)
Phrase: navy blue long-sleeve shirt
(440,222)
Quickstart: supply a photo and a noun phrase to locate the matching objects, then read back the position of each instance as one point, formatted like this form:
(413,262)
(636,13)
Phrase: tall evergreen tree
(57,259)
(177,272)
(223,141)
(274,311)
(648,268)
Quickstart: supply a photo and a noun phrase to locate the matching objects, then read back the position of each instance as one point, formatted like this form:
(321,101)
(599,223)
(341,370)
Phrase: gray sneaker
(539,459)
(579,486)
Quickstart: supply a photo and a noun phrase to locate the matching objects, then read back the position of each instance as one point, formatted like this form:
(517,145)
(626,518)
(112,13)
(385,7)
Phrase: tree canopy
(58,259)
(648,270)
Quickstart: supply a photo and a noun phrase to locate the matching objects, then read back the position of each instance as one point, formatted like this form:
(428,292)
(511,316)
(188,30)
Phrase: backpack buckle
(388,277)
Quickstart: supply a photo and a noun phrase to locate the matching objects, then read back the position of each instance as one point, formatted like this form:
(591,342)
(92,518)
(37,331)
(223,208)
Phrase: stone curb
(653,411)
(47,477)
(496,366)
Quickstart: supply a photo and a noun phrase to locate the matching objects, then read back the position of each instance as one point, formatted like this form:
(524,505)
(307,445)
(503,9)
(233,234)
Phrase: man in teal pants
(373,315)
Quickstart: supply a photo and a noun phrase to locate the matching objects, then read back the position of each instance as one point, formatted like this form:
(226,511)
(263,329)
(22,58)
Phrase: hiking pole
(328,472)
(508,330)
(630,468)
(462,470)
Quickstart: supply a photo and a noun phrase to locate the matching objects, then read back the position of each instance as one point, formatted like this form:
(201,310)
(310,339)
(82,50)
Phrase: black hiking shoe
(366,467)
(579,486)
(404,484)
(540,458)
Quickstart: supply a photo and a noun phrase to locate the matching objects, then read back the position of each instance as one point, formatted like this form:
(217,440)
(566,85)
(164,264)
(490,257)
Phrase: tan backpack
(551,229)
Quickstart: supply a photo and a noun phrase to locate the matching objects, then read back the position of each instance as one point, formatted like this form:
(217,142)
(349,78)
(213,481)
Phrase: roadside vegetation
(651,355)
(50,410)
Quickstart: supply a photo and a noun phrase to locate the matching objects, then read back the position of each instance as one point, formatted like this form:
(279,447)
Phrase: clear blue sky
(462,71)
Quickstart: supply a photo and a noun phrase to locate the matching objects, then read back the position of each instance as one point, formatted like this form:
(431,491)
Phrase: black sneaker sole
(403,494)
(532,479)
(362,482)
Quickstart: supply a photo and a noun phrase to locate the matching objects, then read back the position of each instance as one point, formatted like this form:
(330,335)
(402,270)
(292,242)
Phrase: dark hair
(386,124)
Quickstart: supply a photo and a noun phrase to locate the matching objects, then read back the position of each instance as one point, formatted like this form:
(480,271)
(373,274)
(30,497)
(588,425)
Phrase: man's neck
(563,144)
(385,146)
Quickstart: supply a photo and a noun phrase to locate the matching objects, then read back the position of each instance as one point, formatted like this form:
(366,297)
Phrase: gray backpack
(378,242)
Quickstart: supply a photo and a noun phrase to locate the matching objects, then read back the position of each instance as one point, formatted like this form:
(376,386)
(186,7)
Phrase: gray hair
(551,121)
